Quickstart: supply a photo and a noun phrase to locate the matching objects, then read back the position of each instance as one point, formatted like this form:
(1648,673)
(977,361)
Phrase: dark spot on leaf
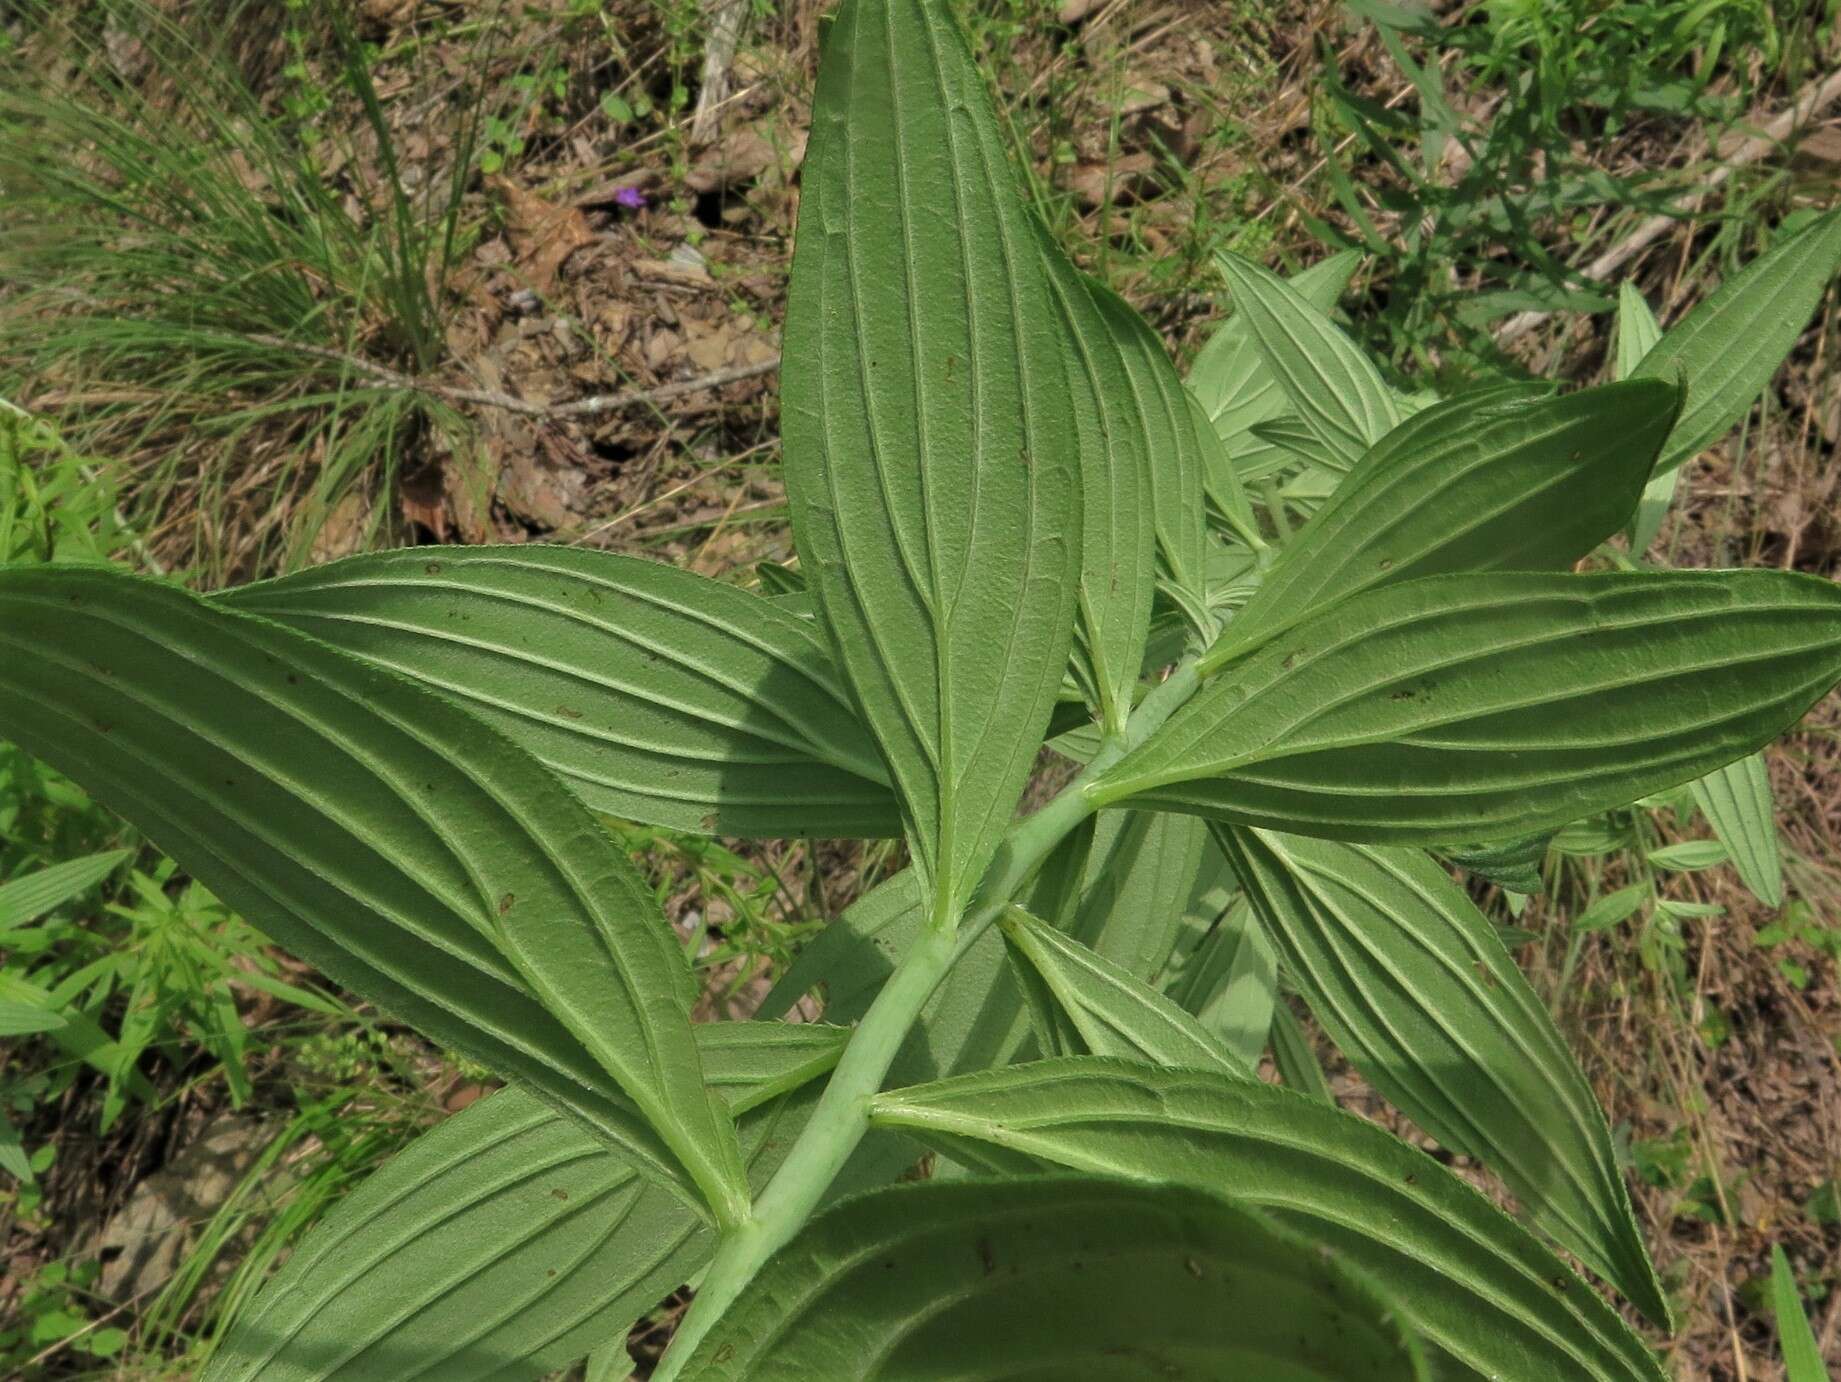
(727,1351)
(559,1193)
(104,727)
(567,713)
(505,903)
(1559,1283)
(1411,1179)
(1404,694)
(433,568)
(551,1272)
(1385,564)
(1291,659)
(986,1257)
(293,680)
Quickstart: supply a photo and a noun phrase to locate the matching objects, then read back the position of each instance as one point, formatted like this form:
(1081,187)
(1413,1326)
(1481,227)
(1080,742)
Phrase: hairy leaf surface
(1112,1012)
(1476,484)
(1483,1290)
(1118,535)
(1491,705)
(507,1242)
(1053,1277)
(655,694)
(369,825)
(1326,378)
(1159,409)
(931,457)
(1229,377)
(1729,346)
(1736,800)
(1412,983)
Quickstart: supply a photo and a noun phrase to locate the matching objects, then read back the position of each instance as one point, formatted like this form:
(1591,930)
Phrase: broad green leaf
(1493,1299)
(1118,538)
(1491,705)
(932,460)
(1158,408)
(1113,1012)
(507,1242)
(30,896)
(1229,377)
(369,825)
(1637,334)
(1231,985)
(1475,484)
(1736,800)
(1412,983)
(1802,1357)
(655,694)
(1326,378)
(1729,346)
(1053,1277)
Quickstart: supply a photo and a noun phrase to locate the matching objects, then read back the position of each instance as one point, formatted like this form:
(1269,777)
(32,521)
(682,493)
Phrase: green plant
(1274,682)
(1802,1357)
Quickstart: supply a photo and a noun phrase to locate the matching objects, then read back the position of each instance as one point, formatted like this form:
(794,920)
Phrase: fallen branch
(1812,100)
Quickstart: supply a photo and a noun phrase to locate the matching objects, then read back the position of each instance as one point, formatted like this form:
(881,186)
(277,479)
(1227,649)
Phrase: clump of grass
(224,294)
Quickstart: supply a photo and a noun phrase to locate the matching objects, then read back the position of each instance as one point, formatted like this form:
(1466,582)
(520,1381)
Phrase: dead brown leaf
(543,235)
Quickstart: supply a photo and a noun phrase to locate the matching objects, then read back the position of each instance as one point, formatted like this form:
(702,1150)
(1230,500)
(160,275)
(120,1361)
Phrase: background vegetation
(280,282)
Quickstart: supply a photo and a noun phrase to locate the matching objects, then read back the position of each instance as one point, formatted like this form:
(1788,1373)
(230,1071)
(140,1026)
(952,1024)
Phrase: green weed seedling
(1289,632)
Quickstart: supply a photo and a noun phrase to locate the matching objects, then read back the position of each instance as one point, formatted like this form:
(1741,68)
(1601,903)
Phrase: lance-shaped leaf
(1492,705)
(931,458)
(1486,1293)
(1736,800)
(1729,346)
(30,896)
(655,694)
(1140,875)
(1159,409)
(1410,980)
(1065,1277)
(1637,333)
(507,1242)
(1229,377)
(1231,984)
(1802,1355)
(1326,378)
(1476,484)
(1118,540)
(372,827)
(1112,1012)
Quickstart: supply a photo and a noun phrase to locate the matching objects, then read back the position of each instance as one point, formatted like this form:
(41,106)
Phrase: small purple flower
(629,197)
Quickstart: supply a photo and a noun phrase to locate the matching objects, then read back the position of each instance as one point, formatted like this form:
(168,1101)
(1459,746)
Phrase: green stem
(841,1118)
